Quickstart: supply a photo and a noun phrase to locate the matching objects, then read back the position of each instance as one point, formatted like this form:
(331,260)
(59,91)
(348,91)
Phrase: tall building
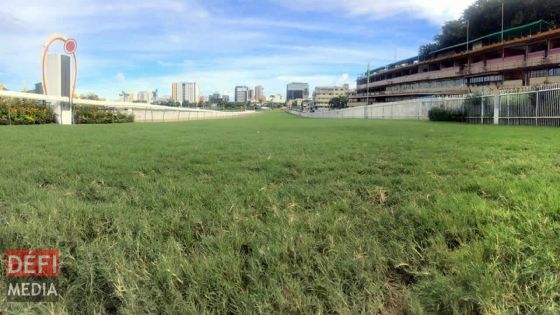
(58,75)
(323,94)
(297,91)
(178,91)
(251,94)
(241,94)
(176,88)
(259,93)
(193,92)
(185,91)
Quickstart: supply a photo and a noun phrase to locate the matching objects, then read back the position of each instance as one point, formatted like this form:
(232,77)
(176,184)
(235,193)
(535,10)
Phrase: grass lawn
(279,214)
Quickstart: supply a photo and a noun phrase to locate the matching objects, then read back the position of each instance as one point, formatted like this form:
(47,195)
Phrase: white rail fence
(173,114)
(537,106)
(142,112)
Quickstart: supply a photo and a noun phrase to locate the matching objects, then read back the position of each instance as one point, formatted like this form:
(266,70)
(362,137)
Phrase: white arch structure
(141,111)
(70,47)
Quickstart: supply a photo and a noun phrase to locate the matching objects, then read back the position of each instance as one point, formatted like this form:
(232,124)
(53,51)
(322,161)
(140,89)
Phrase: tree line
(485,17)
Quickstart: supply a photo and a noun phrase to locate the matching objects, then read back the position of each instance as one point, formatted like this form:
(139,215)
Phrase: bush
(25,112)
(443,114)
(100,115)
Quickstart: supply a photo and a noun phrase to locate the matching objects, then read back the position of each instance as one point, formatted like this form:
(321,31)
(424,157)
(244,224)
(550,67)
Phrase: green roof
(510,33)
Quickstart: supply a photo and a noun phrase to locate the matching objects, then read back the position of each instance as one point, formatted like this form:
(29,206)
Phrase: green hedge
(100,115)
(25,112)
(442,114)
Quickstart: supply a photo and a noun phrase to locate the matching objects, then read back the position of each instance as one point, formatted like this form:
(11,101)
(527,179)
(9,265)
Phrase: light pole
(502,21)
(468,33)
(367,93)
(503,48)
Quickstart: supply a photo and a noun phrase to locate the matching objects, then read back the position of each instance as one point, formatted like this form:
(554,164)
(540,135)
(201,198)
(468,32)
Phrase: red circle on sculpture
(70,46)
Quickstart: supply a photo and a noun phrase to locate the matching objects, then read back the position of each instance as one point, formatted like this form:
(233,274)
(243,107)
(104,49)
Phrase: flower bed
(24,112)
(100,115)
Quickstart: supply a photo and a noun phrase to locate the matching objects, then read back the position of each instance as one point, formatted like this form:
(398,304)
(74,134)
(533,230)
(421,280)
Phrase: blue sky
(147,44)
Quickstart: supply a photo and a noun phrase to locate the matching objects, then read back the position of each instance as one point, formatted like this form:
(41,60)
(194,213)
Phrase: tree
(426,49)
(485,17)
(90,96)
(338,102)
(169,103)
(452,33)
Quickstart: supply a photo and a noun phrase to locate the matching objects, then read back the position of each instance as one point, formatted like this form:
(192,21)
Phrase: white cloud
(436,11)
(192,40)
(120,77)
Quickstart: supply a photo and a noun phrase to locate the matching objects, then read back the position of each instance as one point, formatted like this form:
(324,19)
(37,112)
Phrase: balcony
(424,76)
(514,62)
(533,59)
(416,91)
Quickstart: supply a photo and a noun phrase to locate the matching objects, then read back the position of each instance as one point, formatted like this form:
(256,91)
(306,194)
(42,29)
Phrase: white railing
(142,112)
(538,106)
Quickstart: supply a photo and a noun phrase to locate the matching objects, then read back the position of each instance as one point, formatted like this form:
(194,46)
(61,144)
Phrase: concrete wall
(414,109)
(545,80)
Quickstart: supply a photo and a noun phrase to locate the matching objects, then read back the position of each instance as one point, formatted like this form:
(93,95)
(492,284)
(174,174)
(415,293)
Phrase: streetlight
(367,92)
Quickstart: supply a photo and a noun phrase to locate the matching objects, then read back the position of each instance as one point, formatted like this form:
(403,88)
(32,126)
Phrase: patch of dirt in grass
(402,274)
(394,300)
(378,195)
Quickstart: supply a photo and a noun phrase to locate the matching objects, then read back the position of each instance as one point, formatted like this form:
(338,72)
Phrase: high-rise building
(185,91)
(178,92)
(259,93)
(323,94)
(297,91)
(251,94)
(225,98)
(193,92)
(58,75)
(175,88)
(241,94)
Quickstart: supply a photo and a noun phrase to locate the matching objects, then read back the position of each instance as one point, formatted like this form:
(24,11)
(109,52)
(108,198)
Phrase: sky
(139,45)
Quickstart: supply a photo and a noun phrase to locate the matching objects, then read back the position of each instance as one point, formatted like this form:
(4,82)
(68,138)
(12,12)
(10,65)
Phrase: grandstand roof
(509,34)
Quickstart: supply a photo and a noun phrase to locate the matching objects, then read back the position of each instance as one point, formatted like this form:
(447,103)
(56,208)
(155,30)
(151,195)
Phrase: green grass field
(278,214)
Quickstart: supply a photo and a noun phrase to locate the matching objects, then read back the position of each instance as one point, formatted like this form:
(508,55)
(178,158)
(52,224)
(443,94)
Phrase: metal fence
(171,114)
(537,106)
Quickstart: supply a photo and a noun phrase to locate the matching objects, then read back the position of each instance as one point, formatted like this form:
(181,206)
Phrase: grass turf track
(278,214)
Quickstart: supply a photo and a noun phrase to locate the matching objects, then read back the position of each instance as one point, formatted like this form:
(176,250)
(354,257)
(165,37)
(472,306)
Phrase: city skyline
(147,46)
